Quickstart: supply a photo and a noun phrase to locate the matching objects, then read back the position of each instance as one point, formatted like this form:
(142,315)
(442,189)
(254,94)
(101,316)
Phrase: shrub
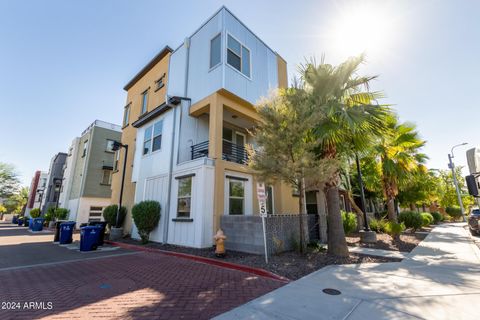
(394,229)
(61,213)
(349,220)
(427,219)
(35,213)
(110,215)
(48,217)
(377,225)
(454,212)
(146,215)
(437,217)
(411,219)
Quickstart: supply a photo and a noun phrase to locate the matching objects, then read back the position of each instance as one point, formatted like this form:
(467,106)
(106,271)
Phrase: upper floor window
(126,115)
(152,139)
(144,101)
(160,82)
(238,56)
(109,147)
(215,50)
(85,147)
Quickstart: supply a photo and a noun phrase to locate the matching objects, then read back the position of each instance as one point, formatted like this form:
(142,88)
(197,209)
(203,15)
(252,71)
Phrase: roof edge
(166,50)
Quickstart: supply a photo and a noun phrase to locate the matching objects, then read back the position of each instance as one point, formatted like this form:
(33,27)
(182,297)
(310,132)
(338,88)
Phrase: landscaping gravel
(406,243)
(291,265)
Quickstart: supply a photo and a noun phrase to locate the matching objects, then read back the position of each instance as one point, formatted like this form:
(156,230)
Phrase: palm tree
(350,112)
(399,159)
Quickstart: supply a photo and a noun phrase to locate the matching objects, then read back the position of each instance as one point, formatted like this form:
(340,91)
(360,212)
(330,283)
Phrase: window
(269,200)
(109,147)
(107,177)
(238,56)
(184,197)
(159,83)
(236,199)
(147,139)
(144,101)
(126,115)
(95,214)
(215,50)
(117,158)
(157,136)
(85,147)
(152,140)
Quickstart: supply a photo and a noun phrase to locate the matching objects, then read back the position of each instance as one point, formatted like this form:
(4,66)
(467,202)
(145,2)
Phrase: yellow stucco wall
(282,72)
(134,98)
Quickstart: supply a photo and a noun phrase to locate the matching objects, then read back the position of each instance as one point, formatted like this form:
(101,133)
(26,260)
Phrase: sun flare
(362,29)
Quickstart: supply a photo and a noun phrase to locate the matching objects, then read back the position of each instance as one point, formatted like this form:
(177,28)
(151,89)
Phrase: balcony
(230,152)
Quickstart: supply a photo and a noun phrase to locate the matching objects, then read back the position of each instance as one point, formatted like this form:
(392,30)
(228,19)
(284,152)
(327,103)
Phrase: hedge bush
(437,217)
(146,215)
(349,220)
(110,215)
(35,213)
(427,219)
(394,229)
(411,219)
(377,225)
(454,212)
(61,213)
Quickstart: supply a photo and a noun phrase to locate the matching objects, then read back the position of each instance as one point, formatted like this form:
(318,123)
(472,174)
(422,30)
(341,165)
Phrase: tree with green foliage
(9,181)
(286,146)
(399,159)
(16,202)
(447,192)
(420,189)
(349,117)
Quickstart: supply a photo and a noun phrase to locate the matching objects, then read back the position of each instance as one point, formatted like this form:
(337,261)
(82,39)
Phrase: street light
(451,165)
(116,146)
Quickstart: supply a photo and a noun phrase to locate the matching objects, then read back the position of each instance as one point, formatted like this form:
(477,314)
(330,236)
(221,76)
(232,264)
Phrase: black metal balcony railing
(199,150)
(230,152)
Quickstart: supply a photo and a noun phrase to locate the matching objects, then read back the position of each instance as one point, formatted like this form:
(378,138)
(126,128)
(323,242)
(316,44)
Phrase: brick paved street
(140,285)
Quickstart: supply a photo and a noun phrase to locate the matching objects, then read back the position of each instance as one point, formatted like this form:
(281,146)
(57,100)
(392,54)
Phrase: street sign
(262,205)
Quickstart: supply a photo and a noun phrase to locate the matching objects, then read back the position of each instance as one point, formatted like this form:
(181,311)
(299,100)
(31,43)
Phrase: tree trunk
(337,245)
(392,216)
(301,212)
(358,211)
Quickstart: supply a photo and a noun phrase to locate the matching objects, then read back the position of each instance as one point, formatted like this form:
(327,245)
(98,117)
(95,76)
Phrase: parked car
(474,221)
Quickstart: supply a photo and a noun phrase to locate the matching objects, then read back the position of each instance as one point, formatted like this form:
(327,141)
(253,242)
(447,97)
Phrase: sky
(63,64)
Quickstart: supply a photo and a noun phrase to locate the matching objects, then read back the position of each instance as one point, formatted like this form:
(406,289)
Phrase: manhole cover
(332,292)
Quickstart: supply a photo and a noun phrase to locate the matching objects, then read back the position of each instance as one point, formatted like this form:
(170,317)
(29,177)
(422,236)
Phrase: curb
(228,265)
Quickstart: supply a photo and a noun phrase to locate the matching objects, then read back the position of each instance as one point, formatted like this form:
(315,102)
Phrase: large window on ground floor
(236,197)
(184,197)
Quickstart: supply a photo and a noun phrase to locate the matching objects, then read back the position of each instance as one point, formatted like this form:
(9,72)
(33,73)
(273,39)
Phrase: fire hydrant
(220,243)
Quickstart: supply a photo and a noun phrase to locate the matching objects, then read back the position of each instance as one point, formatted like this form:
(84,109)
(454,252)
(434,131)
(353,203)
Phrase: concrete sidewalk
(440,279)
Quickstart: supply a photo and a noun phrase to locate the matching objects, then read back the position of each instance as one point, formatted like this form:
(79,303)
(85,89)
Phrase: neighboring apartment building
(54,182)
(37,188)
(186,122)
(86,187)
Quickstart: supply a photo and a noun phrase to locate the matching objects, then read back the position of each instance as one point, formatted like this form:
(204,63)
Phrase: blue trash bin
(89,237)
(66,232)
(37,224)
(20,221)
(15,219)
(30,224)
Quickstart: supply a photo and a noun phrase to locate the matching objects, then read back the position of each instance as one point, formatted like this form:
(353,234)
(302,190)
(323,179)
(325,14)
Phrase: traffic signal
(472,185)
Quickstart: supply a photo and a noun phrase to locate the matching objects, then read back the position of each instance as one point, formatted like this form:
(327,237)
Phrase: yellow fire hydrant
(220,243)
